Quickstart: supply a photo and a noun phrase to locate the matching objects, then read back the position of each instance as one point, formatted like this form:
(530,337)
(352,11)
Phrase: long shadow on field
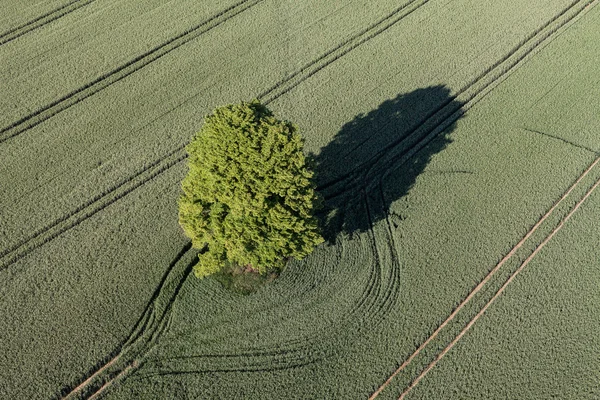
(378,156)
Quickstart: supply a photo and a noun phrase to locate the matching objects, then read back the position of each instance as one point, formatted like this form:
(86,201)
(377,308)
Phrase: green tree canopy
(249,194)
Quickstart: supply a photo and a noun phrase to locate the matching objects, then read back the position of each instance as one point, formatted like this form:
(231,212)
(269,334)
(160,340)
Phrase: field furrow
(487,279)
(19,13)
(449,331)
(497,294)
(539,323)
(70,100)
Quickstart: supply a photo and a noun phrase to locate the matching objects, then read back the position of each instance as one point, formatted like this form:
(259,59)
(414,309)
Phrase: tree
(249,195)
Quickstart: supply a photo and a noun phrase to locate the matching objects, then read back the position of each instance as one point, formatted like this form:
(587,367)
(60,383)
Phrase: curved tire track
(486,279)
(60,225)
(143,335)
(374,304)
(584,7)
(377,277)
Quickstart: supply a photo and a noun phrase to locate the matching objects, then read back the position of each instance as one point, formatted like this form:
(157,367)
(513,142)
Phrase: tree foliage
(249,194)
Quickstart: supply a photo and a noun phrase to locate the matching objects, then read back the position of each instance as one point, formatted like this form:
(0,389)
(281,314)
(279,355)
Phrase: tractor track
(422,134)
(101,201)
(399,151)
(429,125)
(291,81)
(371,309)
(579,11)
(498,293)
(108,79)
(175,157)
(42,20)
(50,231)
(143,334)
(487,278)
(285,85)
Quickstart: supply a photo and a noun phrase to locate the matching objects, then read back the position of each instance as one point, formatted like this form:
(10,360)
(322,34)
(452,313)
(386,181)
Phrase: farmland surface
(457,146)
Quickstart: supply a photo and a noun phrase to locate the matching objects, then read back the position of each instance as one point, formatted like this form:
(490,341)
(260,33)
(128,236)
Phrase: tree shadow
(380,154)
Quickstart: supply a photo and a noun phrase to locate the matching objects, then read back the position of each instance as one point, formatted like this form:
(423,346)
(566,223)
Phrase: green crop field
(457,148)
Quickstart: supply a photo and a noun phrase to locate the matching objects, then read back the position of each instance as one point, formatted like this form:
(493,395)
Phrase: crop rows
(46,233)
(145,331)
(544,320)
(399,151)
(370,309)
(498,293)
(195,330)
(496,269)
(370,32)
(50,231)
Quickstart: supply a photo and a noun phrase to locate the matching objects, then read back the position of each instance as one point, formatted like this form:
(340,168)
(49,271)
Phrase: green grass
(97,265)
(539,340)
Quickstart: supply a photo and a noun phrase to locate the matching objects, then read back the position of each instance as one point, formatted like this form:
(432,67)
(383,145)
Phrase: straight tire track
(583,9)
(498,293)
(90,208)
(454,107)
(485,280)
(108,79)
(121,375)
(21,248)
(329,57)
(42,20)
(581,177)
(44,235)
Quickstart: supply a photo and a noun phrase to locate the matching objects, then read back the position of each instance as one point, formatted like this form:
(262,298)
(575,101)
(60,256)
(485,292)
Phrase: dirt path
(115,379)
(84,384)
(485,280)
(498,293)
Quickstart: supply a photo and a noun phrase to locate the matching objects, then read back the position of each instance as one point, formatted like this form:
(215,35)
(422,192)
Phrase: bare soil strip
(498,293)
(484,281)
(112,381)
(83,384)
